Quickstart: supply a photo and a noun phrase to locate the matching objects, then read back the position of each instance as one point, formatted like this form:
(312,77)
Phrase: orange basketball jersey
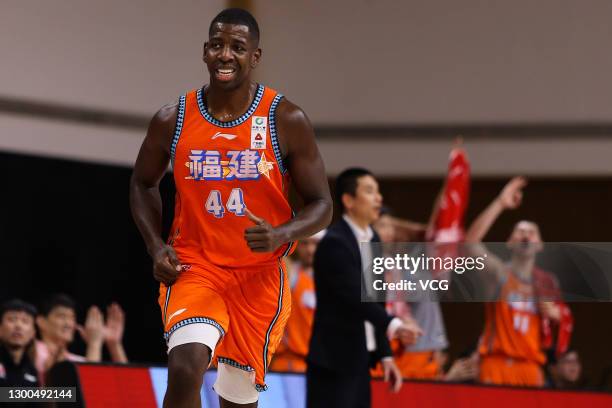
(299,325)
(512,326)
(221,168)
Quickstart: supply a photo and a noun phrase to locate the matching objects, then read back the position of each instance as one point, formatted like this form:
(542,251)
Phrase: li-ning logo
(178,312)
(224,135)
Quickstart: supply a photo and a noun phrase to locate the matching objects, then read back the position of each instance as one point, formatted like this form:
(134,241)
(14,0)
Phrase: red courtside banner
(423,394)
(112,386)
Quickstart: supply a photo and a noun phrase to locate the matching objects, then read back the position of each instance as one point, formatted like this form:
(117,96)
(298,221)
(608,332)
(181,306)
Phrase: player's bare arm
(145,201)
(299,149)
(509,198)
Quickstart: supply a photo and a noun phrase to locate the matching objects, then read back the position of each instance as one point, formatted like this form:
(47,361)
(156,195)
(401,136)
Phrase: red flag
(547,288)
(448,224)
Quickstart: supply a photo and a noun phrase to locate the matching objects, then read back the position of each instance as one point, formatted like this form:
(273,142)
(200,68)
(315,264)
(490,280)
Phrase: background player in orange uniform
(292,352)
(511,347)
(233,145)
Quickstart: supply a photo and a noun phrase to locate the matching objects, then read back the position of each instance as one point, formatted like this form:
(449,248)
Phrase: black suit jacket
(338,336)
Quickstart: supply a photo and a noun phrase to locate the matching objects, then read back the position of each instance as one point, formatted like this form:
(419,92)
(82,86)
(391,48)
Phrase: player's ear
(204,48)
(256,58)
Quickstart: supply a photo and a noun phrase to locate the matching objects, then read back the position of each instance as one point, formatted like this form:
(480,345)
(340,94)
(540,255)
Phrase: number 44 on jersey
(234,204)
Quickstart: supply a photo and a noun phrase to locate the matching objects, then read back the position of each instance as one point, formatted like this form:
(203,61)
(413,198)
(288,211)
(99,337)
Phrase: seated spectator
(565,371)
(17,344)
(57,324)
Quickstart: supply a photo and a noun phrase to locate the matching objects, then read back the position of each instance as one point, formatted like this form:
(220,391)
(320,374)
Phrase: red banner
(417,394)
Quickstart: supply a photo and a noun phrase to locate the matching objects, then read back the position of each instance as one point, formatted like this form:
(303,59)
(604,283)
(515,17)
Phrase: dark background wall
(66,227)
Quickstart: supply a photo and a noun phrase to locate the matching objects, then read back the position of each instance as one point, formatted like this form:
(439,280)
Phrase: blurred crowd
(33,340)
(524,343)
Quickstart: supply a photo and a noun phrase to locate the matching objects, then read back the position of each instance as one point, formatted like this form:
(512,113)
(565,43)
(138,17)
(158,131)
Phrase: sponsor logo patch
(259,126)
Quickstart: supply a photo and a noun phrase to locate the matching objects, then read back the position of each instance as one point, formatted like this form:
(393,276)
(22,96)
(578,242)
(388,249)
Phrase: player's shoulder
(163,123)
(290,113)
(167,113)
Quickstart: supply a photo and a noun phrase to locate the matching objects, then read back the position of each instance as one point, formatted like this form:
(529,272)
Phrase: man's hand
(550,310)
(93,331)
(115,323)
(262,237)
(409,332)
(463,369)
(512,194)
(392,374)
(166,266)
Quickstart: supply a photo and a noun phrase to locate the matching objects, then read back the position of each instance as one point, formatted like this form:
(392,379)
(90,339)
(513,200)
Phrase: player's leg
(187,364)
(195,318)
(237,387)
(190,351)
(258,308)
(226,404)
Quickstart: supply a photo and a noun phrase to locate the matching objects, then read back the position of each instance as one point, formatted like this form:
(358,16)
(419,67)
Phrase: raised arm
(145,200)
(510,198)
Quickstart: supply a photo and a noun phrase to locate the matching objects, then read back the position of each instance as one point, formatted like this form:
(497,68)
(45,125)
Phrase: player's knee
(188,363)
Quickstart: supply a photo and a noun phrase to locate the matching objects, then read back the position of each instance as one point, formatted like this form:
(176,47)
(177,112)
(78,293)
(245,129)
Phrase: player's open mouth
(225,74)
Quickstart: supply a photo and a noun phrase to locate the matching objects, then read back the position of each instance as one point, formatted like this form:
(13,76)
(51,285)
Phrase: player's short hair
(56,300)
(237,16)
(346,183)
(17,305)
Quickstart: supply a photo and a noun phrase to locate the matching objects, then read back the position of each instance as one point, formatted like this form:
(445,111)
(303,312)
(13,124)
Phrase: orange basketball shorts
(420,365)
(504,370)
(249,307)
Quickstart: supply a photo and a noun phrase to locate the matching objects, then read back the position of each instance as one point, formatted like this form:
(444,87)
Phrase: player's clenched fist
(262,237)
(166,265)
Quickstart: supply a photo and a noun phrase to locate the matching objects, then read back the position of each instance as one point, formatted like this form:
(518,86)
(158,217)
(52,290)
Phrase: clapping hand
(115,323)
(93,330)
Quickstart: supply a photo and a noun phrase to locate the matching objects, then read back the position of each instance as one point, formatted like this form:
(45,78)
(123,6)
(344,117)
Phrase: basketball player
(511,347)
(233,146)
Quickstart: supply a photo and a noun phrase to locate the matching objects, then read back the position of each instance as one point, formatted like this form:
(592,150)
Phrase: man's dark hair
(56,300)
(346,183)
(237,16)
(17,305)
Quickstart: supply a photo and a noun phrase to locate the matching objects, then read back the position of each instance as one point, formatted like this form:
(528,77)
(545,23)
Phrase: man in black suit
(350,335)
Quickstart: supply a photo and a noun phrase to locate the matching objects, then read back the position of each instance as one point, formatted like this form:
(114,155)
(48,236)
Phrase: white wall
(131,56)
(415,61)
(577,156)
(344,61)
(347,62)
